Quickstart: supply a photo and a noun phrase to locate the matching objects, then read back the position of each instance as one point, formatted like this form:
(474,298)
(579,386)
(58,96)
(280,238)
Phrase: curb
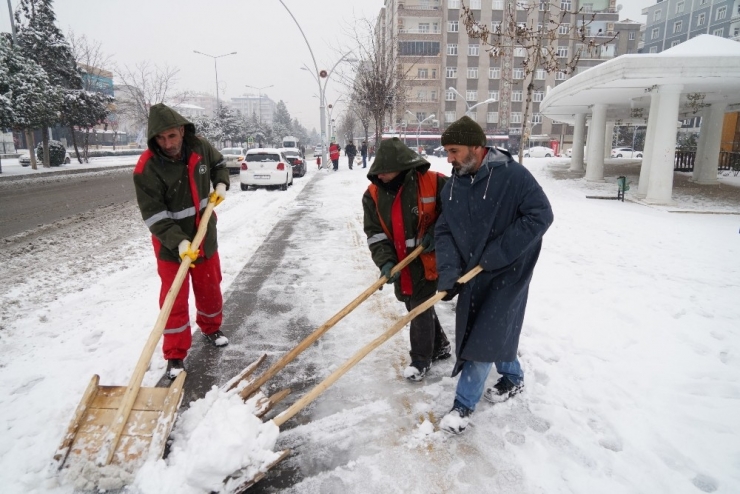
(76,171)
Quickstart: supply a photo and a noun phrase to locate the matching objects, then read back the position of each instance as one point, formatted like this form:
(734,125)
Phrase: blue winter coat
(497,220)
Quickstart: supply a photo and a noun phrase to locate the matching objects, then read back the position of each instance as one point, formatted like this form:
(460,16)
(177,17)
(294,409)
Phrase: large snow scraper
(124,426)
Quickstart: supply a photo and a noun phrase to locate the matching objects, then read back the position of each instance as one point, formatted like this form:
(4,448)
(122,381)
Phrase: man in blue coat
(494,214)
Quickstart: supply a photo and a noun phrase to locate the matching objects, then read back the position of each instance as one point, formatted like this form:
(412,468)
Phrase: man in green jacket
(173,180)
(401,206)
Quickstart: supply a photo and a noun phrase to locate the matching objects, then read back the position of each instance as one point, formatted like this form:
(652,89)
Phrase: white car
(265,167)
(539,152)
(233,158)
(626,153)
(25,159)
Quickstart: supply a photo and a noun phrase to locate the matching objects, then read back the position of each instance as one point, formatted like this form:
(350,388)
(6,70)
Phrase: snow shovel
(347,365)
(252,387)
(124,426)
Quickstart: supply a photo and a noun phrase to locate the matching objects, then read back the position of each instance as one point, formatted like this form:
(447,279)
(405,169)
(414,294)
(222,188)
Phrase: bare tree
(363,117)
(538,41)
(141,87)
(347,124)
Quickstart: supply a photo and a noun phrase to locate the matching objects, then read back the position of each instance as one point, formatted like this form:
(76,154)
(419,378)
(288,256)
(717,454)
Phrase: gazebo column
(608,139)
(595,167)
(579,133)
(663,154)
(647,157)
(710,137)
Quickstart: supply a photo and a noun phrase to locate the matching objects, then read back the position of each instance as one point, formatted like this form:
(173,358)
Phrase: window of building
(420,115)
(434,73)
(562,52)
(536,118)
(565,5)
(588,7)
(473,50)
(452,48)
(451,72)
(492,117)
(701,18)
(423,27)
(657,15)
(632,35)
(472,114)
(418,48)
(538,96)
(564,28)
(675,43)
(422,74)
(453,4)
(516,96)
(493,95)
(453,26)
(655,33)
(653,49)
(719,32)
(498,5)
(472,72)
(519,51)
(540,74)
(518,73)
(449,95)
(471,95)
(475,4)
(560,76)
(516,117)
(421,96)
(495,26)
(679,7)
(450,116)
(721,13)
(677,26)
(494,72)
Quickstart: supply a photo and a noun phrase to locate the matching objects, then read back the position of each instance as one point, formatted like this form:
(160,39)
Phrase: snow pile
(216,437)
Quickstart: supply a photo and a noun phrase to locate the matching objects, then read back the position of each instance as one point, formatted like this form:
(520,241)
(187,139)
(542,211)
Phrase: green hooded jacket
(168,190)
(394,156)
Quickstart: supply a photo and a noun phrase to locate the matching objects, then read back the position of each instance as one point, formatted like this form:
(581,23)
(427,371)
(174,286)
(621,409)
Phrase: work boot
(442,353)
(174,367)
(503,390)
(456,421)
(217,339)
(416,371)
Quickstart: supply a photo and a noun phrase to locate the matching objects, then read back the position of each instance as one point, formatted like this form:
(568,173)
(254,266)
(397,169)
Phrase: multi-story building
(450,75)
(259,105)
(670,22)
(203,100)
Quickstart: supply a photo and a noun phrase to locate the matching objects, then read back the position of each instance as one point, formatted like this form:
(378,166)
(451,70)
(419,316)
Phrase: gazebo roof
(708,65)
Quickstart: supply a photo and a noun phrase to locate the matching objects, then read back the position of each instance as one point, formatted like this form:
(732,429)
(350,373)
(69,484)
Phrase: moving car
(539,152)
(625,153)
(233,157)
(296,161)
(266,167)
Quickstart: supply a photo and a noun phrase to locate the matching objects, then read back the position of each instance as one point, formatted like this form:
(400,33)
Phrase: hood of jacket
(395,156)
(161,118)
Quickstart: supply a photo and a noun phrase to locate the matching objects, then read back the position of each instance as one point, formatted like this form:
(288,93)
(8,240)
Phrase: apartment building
(450,75)
(260,105)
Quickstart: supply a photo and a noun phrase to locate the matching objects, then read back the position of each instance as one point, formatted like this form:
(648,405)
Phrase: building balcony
(422,100)
(409,6)
(419,31)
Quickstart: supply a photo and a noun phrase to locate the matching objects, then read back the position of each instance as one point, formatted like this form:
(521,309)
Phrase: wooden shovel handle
(127,402)
(323,385)
(310,339)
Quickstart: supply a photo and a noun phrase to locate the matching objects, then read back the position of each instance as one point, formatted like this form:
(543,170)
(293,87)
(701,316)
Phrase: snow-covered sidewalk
(631,349)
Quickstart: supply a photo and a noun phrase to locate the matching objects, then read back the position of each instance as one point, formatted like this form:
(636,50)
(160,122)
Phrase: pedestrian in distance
(173,179)
(494,214)
(350,150)
(401,207)
(363,153)
(334,155)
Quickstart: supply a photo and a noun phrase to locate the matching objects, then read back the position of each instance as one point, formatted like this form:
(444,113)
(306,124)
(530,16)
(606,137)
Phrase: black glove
(385,270)
(428,242)
(452,292)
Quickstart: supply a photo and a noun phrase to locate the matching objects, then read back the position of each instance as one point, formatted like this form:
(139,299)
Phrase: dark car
(297,162)
(440,151)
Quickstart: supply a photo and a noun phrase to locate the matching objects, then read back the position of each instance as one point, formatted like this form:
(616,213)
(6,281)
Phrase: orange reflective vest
(427,207)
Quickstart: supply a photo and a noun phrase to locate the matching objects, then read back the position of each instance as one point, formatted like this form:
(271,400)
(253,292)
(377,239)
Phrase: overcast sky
(270,48)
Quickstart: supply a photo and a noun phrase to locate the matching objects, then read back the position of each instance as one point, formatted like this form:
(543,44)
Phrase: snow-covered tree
(282,123)
(230,123)
(40,40)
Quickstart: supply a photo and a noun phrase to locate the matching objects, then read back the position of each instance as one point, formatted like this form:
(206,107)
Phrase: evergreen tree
(229,123)
(40,40)
(282,124)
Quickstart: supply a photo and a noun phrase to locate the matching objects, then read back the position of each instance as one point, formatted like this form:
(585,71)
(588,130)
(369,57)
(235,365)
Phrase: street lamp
(259,90)
(471,108)
(418,127)
(216,69)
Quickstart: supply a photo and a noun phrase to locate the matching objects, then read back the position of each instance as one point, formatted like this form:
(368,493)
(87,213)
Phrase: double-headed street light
(471,108)
(418,127)
(215,67)
(259,90)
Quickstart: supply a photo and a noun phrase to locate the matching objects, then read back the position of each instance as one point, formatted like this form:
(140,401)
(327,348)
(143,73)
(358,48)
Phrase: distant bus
(291,142)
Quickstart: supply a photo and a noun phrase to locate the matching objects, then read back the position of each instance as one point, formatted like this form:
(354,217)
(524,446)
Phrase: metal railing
(728,161)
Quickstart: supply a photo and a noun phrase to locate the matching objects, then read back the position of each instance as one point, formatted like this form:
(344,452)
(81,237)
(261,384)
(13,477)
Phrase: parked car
(25,159)
(317,151)
(298,163)
(440,151)
(233,157)
(626,153)
(539,152)
(265,167)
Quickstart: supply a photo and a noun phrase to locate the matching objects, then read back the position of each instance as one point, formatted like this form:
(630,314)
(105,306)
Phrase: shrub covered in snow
(57,153)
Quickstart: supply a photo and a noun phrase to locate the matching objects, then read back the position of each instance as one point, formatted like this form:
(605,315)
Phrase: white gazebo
(698,77)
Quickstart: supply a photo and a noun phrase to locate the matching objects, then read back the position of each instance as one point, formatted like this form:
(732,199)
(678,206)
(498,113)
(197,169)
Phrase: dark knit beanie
(465,132)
